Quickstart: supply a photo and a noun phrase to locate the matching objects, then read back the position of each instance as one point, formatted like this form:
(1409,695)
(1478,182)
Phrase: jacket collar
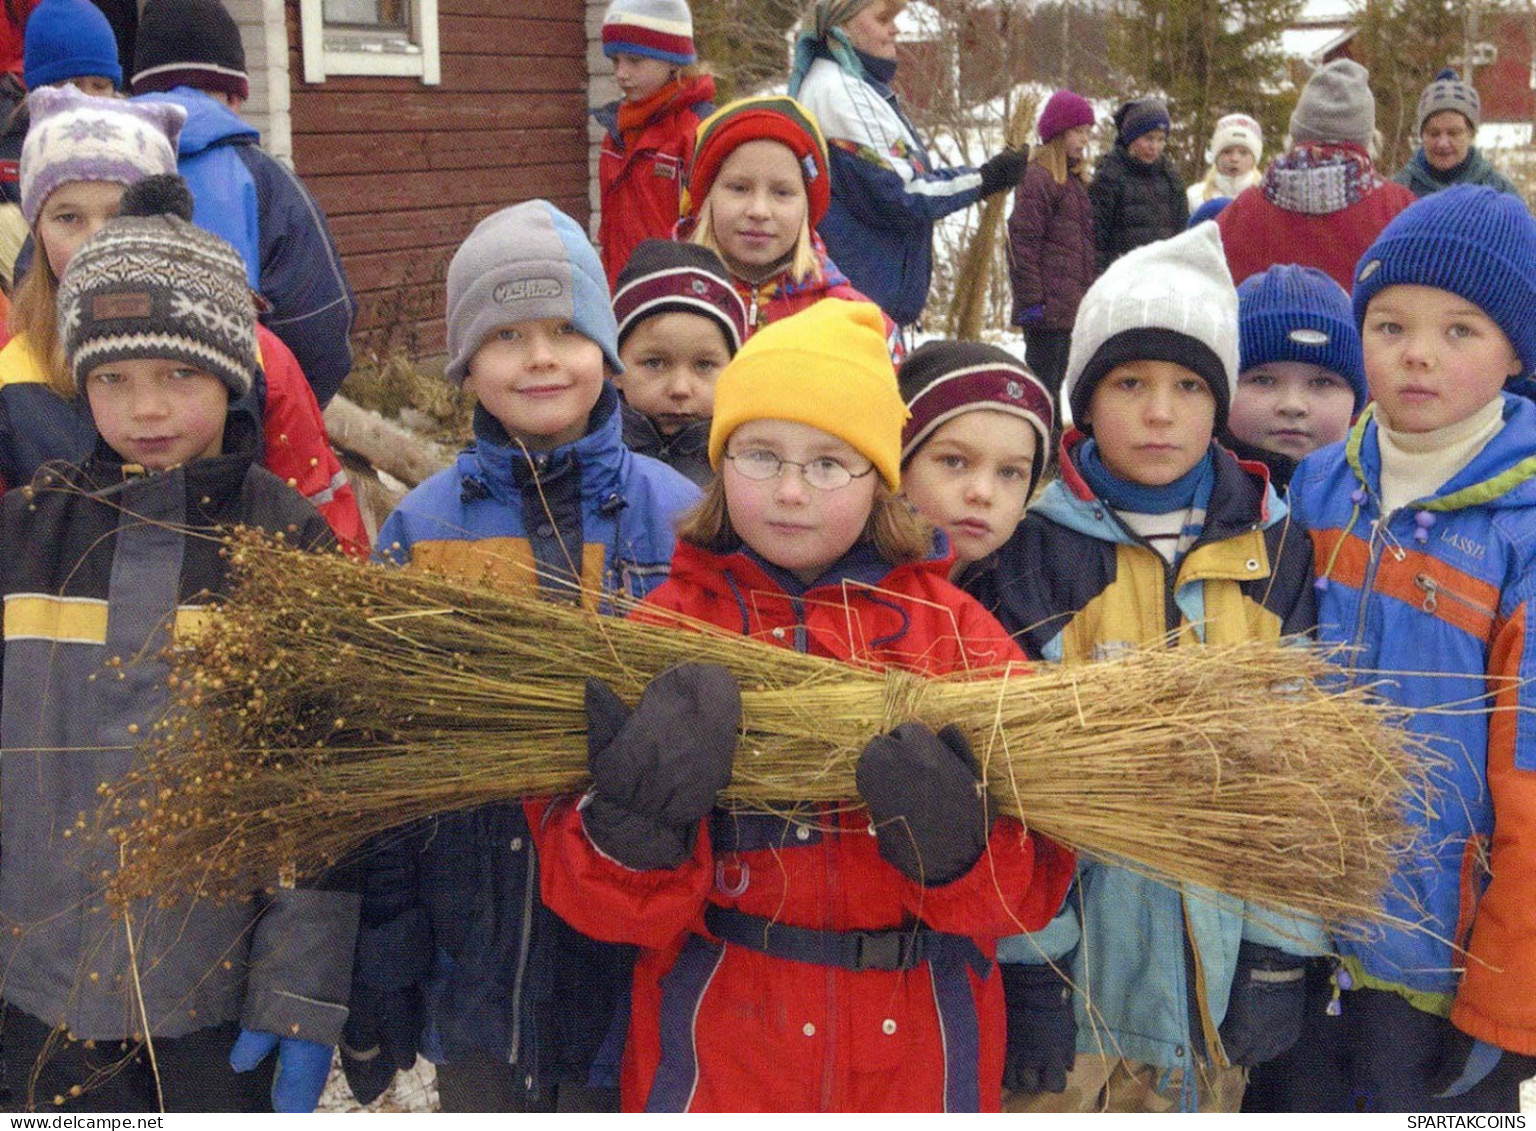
(641,435)
(504,467)
(743,571)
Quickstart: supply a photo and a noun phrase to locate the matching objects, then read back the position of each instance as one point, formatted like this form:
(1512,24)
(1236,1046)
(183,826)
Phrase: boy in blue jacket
(1424,527)
(458,958)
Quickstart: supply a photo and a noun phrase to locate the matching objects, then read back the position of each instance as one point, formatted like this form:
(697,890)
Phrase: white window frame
(321,61)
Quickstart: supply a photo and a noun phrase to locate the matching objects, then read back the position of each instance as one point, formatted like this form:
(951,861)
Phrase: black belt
(902,949)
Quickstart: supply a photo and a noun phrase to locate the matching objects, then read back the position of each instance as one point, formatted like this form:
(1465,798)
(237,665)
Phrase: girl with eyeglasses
(813,958)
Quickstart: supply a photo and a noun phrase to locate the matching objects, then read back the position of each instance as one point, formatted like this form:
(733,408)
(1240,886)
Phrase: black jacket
(1134,203)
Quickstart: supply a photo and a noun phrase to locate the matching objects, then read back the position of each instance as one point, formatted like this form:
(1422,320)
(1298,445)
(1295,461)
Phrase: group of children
(641,946)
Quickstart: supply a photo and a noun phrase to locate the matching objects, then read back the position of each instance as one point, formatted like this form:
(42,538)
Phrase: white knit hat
(1167,301)
(1237,129)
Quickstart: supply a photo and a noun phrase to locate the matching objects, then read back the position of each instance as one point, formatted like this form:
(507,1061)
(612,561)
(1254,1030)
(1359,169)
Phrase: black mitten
(1042,1028)
(931,814)
(379,1039)
(1002,171)
(657,770)
(1266,1006)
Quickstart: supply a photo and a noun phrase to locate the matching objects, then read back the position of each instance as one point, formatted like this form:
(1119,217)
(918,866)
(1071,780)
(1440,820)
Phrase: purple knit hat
(1065,111)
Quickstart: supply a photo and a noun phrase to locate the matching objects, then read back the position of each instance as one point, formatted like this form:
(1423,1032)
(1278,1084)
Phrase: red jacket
(718,1027)
(1258,233)
(297,449)
(641,171)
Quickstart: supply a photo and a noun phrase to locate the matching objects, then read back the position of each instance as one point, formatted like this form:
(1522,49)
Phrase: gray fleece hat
(526,262)
(1336,105)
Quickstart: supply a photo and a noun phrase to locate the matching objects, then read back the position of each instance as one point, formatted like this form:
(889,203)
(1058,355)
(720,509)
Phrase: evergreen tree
(1207,58)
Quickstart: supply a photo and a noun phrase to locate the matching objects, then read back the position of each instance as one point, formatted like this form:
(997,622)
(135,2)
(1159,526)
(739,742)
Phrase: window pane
(368,13)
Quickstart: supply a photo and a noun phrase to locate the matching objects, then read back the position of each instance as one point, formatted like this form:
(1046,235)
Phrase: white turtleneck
(1417,464)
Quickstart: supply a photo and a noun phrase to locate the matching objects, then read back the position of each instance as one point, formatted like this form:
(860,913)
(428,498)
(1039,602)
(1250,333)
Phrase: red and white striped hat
(660,29)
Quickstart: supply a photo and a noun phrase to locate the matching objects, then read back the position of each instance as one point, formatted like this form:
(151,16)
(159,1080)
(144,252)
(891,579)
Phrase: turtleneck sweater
(1415,465)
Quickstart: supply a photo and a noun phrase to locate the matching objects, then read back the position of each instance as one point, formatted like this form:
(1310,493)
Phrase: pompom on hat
(656,29)
(1470,240)
(69,39)
(1294,313)
(772,117)
(74,137)
(941,380)
(813,367)
(664,276)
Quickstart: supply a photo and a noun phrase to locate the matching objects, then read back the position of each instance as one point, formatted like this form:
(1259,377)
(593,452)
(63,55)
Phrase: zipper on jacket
(530,886)
(1377,545)
(1433,591)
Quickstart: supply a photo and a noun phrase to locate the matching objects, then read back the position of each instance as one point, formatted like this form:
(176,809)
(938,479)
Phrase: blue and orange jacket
(450,905)
(1076,585)
(1452,606)
(722,1027)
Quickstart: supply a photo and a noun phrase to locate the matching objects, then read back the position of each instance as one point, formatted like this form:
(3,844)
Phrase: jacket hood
(209,121)
(503,466)
(1501,476)
(1242,498)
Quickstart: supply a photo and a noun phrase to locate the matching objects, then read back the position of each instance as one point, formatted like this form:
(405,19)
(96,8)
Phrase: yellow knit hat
(827,367)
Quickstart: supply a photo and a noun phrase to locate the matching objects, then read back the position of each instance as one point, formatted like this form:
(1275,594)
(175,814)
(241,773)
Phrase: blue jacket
(1455,602)
(451,906)
(885,193)
(246,196)
(1146,941)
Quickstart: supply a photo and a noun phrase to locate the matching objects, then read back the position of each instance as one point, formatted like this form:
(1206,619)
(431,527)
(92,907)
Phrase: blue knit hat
(1141,116)
(69,39)
(1292,313)
(1471,240)
(521,264)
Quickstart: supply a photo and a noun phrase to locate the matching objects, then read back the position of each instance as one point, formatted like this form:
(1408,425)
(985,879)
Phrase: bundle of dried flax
(332,701)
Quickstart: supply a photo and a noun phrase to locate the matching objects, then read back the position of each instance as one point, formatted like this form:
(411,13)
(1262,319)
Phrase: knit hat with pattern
(1292,313)
(1336,105)
(941,380)
(526,262)
(1064,111)
(1172,300)
(1447,92)
(773,117)
(664,276)
(192,43)
(658,29)
(158,287)
(69,39)
(74,137)
(814,367)
(1470,240)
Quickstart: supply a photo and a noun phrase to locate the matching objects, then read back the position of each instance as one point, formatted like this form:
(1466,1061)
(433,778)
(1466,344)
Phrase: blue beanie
(1141,116)
(524,263)
(69,39)
(1470,240)
(1292,313)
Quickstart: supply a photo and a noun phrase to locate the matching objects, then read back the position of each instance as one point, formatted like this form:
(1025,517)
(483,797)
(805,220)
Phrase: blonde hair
(897,532)
(35,316)
(1052,156)
(804,264)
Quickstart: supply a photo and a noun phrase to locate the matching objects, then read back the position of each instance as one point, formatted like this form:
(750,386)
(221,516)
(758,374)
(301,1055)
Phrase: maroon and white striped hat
(663,276)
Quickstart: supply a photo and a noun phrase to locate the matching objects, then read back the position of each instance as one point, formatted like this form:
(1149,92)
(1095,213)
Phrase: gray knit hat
(1336,105)
(1448,92)
(523,263)
(158,287)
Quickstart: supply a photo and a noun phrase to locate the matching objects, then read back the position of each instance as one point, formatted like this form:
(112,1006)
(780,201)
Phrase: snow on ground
(414,1091)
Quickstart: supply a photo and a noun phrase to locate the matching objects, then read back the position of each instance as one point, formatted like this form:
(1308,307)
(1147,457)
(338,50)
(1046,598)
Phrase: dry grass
(335,701)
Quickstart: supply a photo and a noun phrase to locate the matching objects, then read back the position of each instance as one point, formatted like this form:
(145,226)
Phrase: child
(1153,534)
(1237,147)
(792,961)
(758,188)
(680,323)
(648,134)
(1423,524)
(458,958)
(1136,192)
(80,156)
(109,563)
(1051,250)
(976,444)
(1302,378)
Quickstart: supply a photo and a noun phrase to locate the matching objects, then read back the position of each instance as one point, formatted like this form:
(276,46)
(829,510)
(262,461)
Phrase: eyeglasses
(823,473)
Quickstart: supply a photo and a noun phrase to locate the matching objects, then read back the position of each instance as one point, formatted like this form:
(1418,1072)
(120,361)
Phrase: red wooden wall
(404,171)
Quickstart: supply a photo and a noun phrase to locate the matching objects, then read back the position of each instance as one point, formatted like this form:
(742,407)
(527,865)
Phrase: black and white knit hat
(664,276)
(158,287)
